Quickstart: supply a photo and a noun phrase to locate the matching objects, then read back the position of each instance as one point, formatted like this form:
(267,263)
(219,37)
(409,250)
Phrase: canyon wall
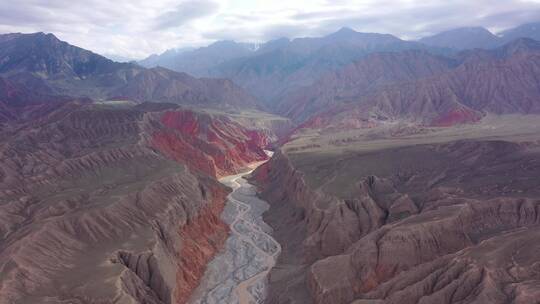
(309,224)
(96,208)
(449,231)
(216,146)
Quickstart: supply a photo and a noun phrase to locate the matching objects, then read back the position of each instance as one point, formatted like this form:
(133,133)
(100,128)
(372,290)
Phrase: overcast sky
(137,28)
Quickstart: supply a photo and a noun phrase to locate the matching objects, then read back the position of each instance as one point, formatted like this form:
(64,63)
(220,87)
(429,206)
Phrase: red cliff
(214,145)
(202,238)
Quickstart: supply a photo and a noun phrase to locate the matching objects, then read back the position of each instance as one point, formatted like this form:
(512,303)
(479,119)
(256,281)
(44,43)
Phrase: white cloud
(185,12)
(137,28)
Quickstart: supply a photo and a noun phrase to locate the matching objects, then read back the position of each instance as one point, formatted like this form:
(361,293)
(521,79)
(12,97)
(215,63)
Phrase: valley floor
(239,273)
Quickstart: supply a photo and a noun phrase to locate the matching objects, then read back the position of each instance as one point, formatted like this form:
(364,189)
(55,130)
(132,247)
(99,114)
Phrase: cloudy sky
(137,28)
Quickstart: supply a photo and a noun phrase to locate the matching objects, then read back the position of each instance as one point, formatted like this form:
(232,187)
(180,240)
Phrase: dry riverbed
(239,273)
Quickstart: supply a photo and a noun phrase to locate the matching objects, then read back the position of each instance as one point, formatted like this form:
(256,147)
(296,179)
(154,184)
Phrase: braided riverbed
(239,273)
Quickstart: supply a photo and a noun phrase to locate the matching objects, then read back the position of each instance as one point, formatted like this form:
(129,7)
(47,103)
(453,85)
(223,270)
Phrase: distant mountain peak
(224,43)
(42,63)
(349,35)
(42,35)
(463,38)
(531,25)
(346,29)
(343,32)
(45,55)
(473,29)
(528,30)
(520,45)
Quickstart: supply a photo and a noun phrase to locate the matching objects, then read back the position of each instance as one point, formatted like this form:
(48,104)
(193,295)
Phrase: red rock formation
(456,117)
(214,145)
(202,238)
(91,208)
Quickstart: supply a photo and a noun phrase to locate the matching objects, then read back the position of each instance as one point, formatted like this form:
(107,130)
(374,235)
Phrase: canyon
(239,274)
(104,202)
(106,197)
(401,172)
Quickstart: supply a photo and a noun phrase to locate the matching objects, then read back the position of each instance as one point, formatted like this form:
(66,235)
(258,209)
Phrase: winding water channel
(239,273)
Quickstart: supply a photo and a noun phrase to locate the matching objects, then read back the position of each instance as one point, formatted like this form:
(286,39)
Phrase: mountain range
(198,62)
(354,78)
(280,66)
(343,79)
(479,37)
(41,62)
(424,88)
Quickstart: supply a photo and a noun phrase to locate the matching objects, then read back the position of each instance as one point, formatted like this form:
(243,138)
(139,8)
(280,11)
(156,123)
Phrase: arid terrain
(407,214)
(239,273)
(347,168)
(110,199)
(106,202)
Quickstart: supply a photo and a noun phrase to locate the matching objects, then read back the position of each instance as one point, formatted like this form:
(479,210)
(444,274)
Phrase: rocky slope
(275,127)
(95,207)
(215,146)
(358,80)
(422,88)
(459,214)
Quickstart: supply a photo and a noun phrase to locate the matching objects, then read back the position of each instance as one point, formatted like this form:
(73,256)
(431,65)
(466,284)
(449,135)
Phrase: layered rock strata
(93,211)
(452,222)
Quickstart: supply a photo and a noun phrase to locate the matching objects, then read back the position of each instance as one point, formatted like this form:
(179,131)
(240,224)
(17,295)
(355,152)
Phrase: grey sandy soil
(239,273)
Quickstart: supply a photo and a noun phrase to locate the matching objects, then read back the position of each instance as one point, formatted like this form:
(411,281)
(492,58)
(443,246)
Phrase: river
(238,274)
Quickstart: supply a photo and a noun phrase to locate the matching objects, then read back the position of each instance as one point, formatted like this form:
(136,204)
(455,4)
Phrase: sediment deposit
(239,273)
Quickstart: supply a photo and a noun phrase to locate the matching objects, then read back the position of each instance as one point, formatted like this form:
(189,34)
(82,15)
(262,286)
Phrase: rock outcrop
(455,246)
(443,223)
(216,146)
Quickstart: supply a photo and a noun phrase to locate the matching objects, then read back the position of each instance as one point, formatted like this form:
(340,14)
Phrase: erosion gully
(239,273)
